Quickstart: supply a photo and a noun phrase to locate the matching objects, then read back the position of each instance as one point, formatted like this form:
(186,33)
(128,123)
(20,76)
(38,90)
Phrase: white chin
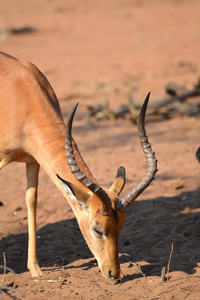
(109,278)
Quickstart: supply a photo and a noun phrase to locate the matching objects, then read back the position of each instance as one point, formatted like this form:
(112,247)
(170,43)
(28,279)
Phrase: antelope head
(100,212)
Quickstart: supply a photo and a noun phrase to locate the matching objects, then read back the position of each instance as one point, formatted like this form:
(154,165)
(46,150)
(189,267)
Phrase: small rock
(17,210)
(177,185)
(127,243)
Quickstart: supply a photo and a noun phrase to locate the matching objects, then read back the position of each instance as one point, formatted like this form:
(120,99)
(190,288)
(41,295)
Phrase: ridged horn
(151,167)
(106,208)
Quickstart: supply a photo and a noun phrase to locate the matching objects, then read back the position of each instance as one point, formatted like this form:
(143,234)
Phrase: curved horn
(106,208)
(151,168)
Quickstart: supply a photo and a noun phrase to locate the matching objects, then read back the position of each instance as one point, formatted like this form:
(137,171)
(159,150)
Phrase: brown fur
(32,131)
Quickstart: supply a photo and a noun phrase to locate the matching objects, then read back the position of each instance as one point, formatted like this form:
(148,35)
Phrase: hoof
(35,270)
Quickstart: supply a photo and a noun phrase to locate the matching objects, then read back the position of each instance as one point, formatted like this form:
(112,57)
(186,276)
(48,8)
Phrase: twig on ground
(173,103)
(4,288)
(139,268)
(163,274)
(170,257)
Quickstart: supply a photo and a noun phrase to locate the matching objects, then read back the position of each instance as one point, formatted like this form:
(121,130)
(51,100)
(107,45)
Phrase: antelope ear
(119,182)
(76,193)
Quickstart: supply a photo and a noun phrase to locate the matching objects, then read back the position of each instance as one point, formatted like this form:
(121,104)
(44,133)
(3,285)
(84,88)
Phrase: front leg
(32,171)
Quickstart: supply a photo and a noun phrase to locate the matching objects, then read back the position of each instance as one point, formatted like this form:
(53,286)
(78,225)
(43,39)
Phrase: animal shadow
(150,230)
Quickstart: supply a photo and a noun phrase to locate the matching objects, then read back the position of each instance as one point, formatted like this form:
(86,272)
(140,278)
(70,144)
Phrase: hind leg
(32,172)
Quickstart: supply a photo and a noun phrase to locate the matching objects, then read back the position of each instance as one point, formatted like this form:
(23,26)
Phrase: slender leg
(32,171)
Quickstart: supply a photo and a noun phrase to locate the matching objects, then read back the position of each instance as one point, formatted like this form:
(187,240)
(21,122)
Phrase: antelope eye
(97,232)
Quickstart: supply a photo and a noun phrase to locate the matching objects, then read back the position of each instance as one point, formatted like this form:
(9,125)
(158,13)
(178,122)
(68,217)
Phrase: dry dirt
(91,51)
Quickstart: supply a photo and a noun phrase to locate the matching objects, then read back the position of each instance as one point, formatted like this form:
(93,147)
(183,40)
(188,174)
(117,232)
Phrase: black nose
(111,274)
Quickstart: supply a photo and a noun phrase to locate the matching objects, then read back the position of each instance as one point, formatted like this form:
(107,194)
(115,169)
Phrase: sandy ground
(91,51)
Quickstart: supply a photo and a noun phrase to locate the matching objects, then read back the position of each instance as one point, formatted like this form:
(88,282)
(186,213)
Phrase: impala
(32,130)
